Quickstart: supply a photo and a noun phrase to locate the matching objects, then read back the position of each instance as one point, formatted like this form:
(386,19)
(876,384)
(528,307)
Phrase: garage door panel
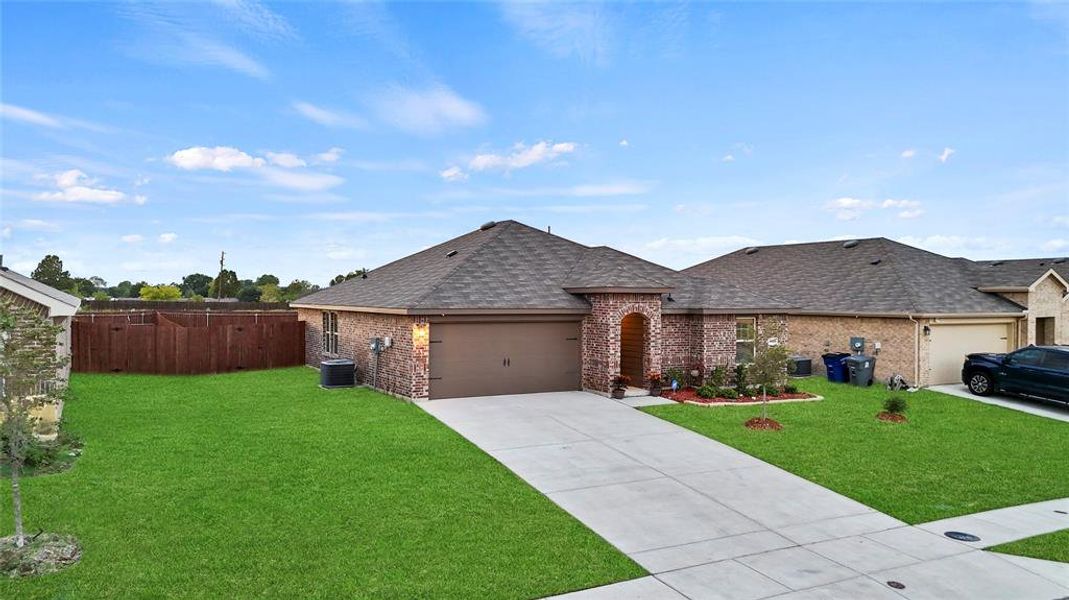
(949,343)
(489,359)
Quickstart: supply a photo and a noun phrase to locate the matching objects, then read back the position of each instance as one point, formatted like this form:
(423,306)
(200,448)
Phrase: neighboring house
(511,309)
(51,303)
(925,310)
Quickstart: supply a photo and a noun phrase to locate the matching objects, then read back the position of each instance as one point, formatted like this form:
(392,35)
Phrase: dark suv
(1041,371)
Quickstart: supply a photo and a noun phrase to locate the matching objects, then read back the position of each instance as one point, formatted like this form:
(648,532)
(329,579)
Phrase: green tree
(135,289)
(340,278)
(266,279)
(196,284)
(296,289)
(160,292)
(50,272)
(226,285)
(82,287)
(120,290)
(249,293)
(101,295)
(771,364)
(270,292)
(28,362)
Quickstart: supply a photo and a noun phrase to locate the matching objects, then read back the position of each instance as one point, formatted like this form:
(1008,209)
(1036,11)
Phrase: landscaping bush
(709,391)
(740,376)
(790,388)
(895,405)
(772,390)
(46,457)
(718,376)
(674,375)
(729,394)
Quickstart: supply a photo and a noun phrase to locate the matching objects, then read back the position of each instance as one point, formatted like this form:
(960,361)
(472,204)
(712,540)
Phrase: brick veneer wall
(1047,300)
(812,336)
(601,336)
(402,369)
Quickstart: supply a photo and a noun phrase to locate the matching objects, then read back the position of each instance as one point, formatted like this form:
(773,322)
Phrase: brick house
(925,310)
(57,306)
(511,309)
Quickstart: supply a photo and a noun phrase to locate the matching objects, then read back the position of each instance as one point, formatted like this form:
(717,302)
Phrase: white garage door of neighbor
(949,344)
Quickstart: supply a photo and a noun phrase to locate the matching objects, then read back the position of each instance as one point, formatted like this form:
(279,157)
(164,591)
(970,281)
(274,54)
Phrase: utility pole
(219,282)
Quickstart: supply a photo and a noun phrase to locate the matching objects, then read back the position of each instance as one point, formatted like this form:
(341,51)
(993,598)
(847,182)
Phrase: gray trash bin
(860,369)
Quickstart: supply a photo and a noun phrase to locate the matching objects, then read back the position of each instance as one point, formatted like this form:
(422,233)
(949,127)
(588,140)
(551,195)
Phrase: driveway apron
(709,521)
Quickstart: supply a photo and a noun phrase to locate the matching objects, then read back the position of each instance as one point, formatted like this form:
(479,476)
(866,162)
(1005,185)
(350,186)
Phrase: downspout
(916,351)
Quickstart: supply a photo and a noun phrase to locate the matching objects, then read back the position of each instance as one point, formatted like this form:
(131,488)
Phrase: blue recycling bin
(835,363)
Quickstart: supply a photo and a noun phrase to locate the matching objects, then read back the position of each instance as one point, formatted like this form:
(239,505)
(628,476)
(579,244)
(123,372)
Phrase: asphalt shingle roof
(513,266)
(874,276)
(1017,272)
(39,287)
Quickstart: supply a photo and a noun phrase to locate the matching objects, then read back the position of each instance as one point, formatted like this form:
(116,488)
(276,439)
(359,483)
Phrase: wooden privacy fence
(163,346)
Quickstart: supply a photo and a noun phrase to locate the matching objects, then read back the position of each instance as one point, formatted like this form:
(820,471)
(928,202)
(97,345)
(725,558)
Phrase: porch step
(635,392)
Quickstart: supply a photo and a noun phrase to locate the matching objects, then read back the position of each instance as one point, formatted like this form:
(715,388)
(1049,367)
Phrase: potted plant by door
(654,379)
(619,386)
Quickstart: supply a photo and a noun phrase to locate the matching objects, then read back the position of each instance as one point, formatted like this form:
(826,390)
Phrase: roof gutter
(894,315)
(444,311)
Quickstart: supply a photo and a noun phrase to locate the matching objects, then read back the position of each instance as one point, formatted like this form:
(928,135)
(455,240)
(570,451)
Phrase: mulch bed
(43,553)
(892,417)
(763,424)
(690,395)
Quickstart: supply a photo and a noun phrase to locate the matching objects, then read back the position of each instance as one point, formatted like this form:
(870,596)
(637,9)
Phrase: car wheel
(980,384)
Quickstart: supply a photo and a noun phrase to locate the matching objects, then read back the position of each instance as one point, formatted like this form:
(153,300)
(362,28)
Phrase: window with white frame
(330,333)
(745,339)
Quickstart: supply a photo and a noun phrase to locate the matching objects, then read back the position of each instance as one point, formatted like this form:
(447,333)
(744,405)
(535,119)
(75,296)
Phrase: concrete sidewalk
(1033,406)
(708,521)
(1003,525)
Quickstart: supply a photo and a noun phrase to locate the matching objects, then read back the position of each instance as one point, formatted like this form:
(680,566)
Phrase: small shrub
(729,394)
(895,405)
(621,381)
(790,388)
(771,390)
(740,376)
(709,391)
(718,376)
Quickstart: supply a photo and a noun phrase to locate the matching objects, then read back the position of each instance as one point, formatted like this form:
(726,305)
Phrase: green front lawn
(954,457)
(1051,546)
(262,484)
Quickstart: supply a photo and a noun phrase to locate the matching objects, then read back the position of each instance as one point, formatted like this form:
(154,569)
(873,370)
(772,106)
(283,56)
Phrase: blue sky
(311,139)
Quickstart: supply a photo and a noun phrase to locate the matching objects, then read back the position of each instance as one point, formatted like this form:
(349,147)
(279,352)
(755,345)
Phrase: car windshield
(1029,357)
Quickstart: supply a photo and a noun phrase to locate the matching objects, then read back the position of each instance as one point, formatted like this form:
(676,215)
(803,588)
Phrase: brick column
(601,336)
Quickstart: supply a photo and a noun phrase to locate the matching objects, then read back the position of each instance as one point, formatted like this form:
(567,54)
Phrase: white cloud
(37,225)
(330,156)
(1055,245)
(848,209)
(256,18)
(908,153)
(132,238)
(624,143)
(304,181)
(1062,220)
(5,232)
(167,238)
(26,115)
(522,156)
(328,117)
(140,199)
(728,158)
(34,117)
(453,174)
(583,30)
(285,159)
(945,156)
(219,158)
(427,111)
(704,245)
(75,186)
(911,213)
(910,209)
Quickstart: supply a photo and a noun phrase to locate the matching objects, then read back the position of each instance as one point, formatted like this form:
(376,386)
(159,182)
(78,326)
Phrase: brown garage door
(490,359)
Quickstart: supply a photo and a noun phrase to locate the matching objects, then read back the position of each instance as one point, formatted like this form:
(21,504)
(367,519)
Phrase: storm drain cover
(961,536)
(898,585)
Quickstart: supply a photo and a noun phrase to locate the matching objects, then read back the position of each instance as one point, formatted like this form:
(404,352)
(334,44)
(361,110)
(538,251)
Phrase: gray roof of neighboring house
(41,288)
(511,266)
(1017,272)
(873,276)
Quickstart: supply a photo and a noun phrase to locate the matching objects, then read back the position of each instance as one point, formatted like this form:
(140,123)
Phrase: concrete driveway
(1042,408)
(708,521)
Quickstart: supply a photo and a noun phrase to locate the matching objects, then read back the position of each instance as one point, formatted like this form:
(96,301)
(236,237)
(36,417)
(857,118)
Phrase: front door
(633,348)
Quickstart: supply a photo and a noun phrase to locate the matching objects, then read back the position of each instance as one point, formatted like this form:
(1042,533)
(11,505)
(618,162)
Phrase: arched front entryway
(633,348)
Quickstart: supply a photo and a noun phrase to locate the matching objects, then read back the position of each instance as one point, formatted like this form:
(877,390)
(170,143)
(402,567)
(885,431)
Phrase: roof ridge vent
(851,243)
(487,225)
(997,263)
(751,250)
(451,254)
(876,261)
(1057,261)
